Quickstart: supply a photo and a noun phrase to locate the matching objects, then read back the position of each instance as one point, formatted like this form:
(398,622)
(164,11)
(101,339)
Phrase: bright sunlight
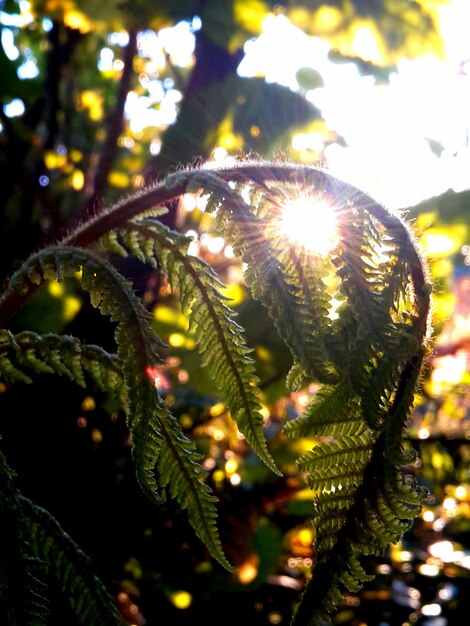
(310,222)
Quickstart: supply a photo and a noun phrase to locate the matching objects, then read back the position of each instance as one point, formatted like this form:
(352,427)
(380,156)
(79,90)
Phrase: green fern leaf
(70,568)
(284,277)
(29,353)
(10,373)
(219,338)
(23,591)
(165,458)
(333,411)
(137,349)
(275,282)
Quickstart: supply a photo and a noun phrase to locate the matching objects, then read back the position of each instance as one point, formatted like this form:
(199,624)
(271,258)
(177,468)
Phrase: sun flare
(310,222)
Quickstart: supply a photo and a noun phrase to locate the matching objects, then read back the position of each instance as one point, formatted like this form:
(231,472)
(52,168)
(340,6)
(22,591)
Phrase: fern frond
(314,308)
(29,353)
(400,410)
(368,359)
(218,336)
(137,349)
(328,455)
(362,504)
(166,459)
(10,373)
(23,591)
(69,568)
(336,467)
(305,270)
(397,497)
(372,346)
(283,284)
(373,280)
(332,412)
(360,272)
(377,391)
(355,520)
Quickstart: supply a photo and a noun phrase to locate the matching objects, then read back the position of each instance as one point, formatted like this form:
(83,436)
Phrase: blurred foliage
(74,149)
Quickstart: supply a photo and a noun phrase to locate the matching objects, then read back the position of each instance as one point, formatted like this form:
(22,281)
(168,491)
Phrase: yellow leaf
(250,14)
(52,160)
(88,404)
(226,138)
(181,599)
(92,100)
(77,20)
(75,155)
(235,293)
(367,42)
(72,306)
(178,340)
(119,179)
(328,19)
(440,242)
(167,315)
(77,180)
(299,16)
(55,288)
(442,268)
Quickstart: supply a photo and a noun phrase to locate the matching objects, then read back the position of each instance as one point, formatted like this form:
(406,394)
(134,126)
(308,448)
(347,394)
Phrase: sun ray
(310,222)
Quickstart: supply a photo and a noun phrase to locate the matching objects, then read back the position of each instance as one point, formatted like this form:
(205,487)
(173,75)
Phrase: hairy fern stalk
(355,321)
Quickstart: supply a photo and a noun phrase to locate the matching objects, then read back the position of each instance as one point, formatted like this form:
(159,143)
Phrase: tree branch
(114,125)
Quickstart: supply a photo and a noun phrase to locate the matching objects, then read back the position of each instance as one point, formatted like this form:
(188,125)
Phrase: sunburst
(310,222)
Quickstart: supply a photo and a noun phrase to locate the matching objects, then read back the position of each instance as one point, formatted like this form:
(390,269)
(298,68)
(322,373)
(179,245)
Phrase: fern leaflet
(27,353)
(219,338)
(70,568)
(23,591)
(137,348)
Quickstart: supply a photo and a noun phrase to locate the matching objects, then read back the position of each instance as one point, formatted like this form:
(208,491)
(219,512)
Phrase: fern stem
(260,173)
(364,525)
(245,391)
(306,175)
(310,611)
